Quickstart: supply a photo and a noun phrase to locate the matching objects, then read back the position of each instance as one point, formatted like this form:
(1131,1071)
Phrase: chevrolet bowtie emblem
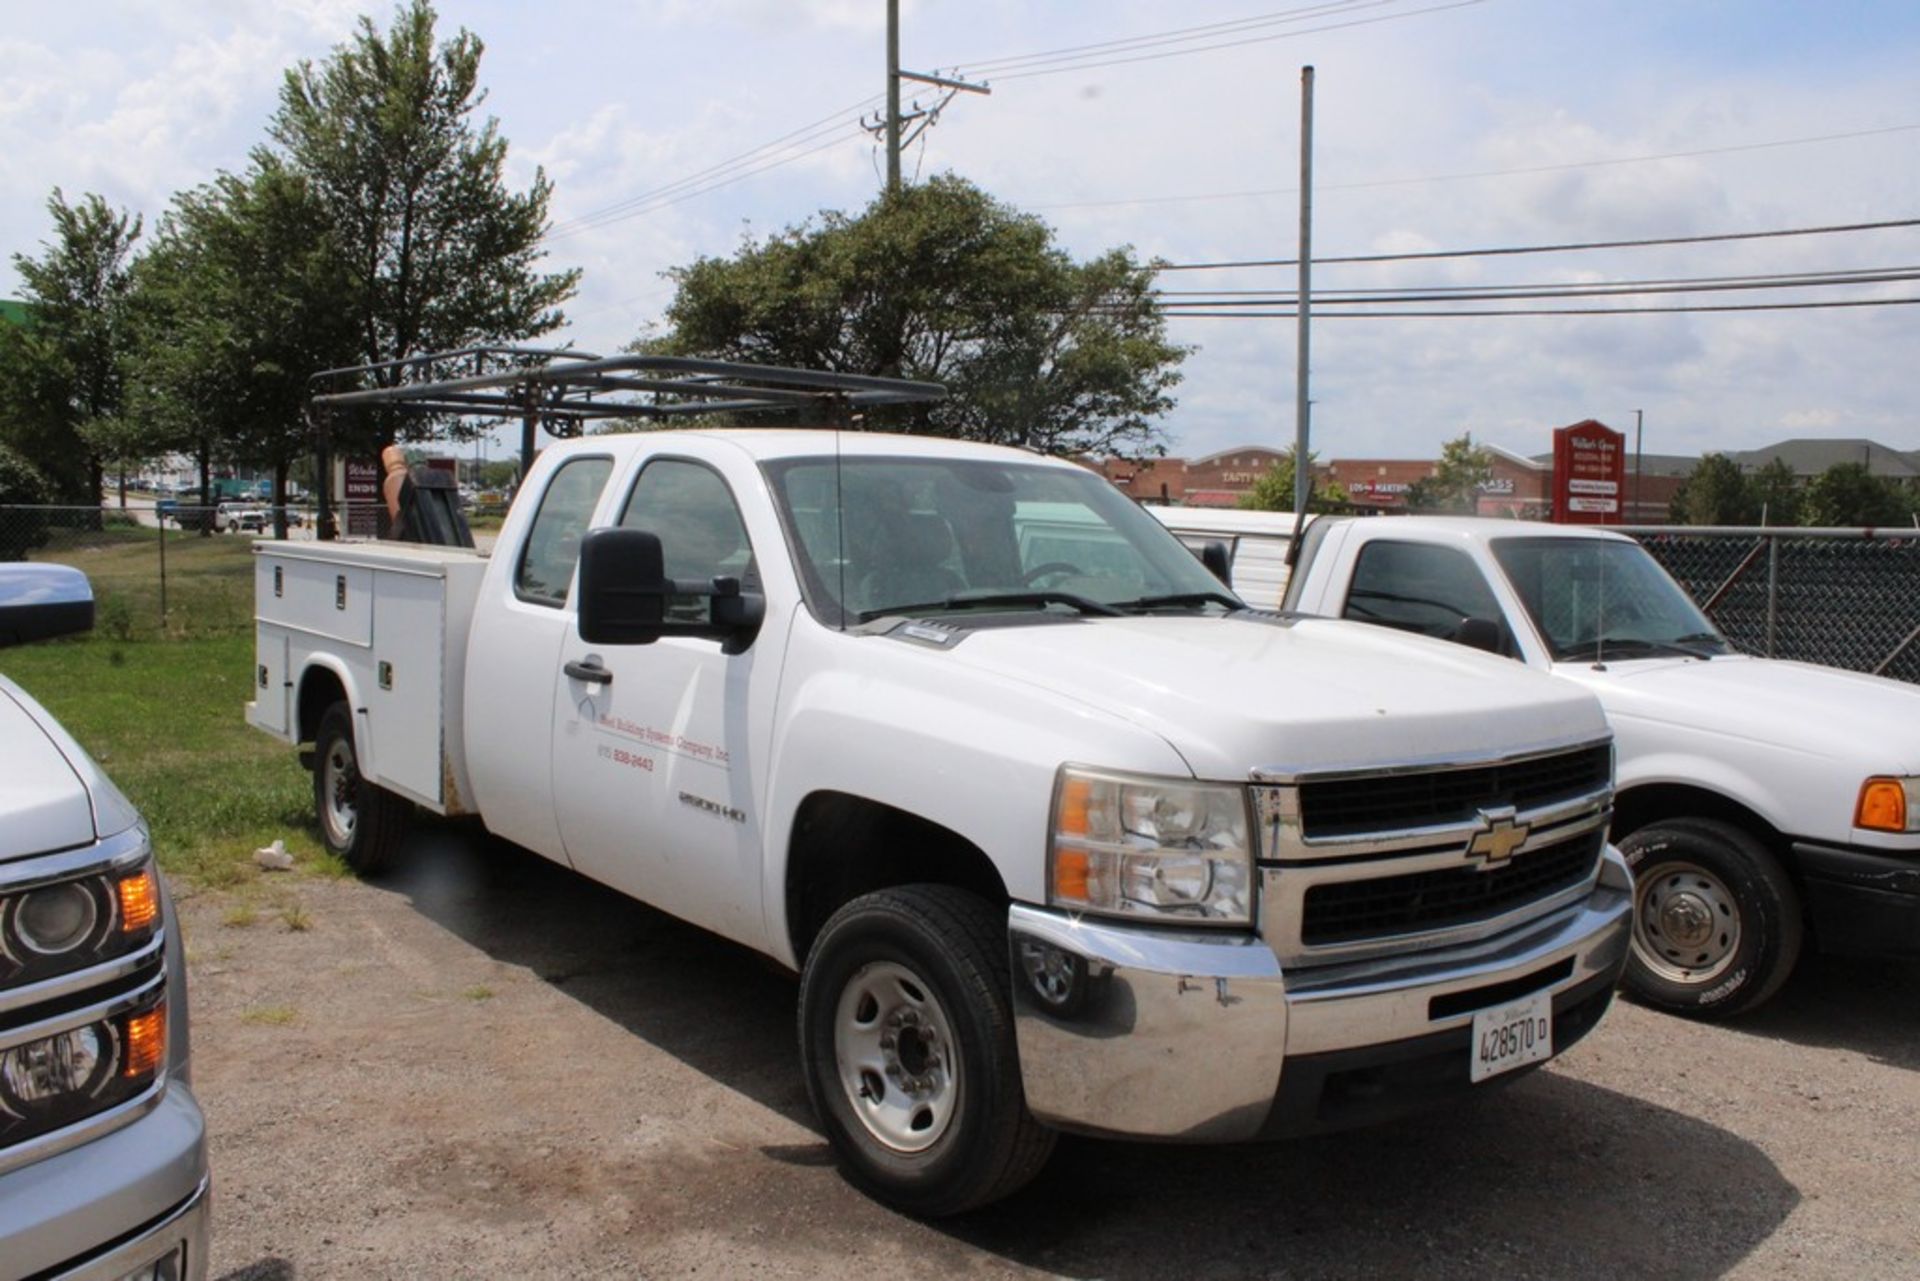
(1499,836)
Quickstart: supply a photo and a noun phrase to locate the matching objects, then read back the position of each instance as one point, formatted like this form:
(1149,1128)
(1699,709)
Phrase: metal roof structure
(564,390)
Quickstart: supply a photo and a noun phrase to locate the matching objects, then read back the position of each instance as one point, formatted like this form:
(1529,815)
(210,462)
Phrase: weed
(270,1015)
(296,918)
(240,916)
(332,867)
(478,992)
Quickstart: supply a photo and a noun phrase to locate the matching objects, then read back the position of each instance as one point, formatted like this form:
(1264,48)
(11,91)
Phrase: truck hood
(44,803)
(1232,695)
(1819,711)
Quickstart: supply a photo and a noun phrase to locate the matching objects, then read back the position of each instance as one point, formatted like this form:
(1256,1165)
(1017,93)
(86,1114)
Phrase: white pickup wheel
(1716,920)
(906,1038)
(359,821)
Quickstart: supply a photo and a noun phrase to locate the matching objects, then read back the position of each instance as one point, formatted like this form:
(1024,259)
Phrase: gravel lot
(485,1066)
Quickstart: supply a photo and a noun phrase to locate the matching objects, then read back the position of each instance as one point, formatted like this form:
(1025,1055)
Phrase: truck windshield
(1601,598)
(880,536)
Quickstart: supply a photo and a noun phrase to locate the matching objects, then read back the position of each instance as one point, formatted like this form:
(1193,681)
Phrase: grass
(161,705)
(271,1015)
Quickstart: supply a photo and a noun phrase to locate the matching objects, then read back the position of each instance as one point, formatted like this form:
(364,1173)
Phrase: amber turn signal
(1883,806)
(139,901)
(146,1042)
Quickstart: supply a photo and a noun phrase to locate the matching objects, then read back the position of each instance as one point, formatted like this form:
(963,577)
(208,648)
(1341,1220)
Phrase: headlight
(1127,845)
(1889,805)
(55,1081)
(63,926)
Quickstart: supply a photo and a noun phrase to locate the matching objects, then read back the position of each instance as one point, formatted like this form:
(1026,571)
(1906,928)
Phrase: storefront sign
(1589,471)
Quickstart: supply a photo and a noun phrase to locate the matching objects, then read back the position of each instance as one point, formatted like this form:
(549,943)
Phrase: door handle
(592,673)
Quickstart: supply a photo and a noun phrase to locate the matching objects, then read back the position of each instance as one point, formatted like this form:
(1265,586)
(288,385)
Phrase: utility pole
(889,129)
(1302,467)
(1637,420)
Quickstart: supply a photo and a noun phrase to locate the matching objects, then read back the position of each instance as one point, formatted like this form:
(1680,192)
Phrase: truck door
(510,661)
(657,762)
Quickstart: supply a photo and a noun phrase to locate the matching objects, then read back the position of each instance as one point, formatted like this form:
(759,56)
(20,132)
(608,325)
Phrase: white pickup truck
(1758,801)
(1057,832)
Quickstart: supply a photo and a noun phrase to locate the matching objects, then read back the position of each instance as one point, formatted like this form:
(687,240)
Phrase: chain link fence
(158,569)
(1843,597)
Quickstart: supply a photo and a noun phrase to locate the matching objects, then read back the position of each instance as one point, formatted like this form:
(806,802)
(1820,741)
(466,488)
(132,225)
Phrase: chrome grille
(1345,806)
(1367,863)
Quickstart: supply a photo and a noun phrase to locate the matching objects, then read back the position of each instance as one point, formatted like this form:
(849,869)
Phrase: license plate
(1511,1036)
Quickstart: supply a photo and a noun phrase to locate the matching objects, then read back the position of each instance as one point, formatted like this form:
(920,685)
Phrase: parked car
(237,518)
(103,1155)
(1765,805)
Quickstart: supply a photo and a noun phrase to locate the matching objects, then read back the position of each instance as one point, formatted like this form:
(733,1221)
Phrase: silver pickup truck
(103,1155)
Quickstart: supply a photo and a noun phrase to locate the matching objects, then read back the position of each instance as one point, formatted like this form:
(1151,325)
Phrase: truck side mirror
(40,601)
(1478,633)
(625,594)
(1215,555)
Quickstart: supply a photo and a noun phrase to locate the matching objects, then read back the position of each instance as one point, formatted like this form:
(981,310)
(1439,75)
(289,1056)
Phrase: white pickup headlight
(1128,845)
(1888,804)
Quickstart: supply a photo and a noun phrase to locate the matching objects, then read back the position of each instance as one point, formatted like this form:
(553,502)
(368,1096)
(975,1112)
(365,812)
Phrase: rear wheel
(360,821)
(1716,920)
(906,1038)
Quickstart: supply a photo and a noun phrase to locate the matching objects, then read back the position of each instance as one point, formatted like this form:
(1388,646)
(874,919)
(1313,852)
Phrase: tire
(906,1040)
(360,821)
(1716,921)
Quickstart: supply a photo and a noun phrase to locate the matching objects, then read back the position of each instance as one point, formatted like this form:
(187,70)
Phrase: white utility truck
(1058,833)
(1758,800)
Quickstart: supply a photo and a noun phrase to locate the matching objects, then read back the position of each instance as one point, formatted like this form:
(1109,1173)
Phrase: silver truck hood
(44,803)
(1232,695)
(1822,711)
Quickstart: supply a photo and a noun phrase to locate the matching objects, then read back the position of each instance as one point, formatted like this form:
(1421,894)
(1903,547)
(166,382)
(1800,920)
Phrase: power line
(1235,44)
(786,142)
(1508,250)
(1156,39)
(1584,289)
(1552,311)
(744,165)
(1523,171)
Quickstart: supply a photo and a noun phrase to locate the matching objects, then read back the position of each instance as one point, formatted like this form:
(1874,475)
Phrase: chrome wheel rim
(339,777)
(1686,923)
(894,1050)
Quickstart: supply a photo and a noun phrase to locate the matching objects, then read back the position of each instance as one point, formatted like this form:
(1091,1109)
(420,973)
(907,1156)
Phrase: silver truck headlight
(1888,804)
(1129,845)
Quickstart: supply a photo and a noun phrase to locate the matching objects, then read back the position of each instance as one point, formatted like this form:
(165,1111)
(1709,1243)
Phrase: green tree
(1457,478)
(1849,494)
(438,252)
(61,386)
(1776,494)
(1715,492)
(1274,491)
(21,485)
(939,281)
(243,296)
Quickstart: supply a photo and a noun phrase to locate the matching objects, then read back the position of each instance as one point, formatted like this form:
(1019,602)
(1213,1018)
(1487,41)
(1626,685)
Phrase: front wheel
(906,1039)
(360,821)
(1716,920)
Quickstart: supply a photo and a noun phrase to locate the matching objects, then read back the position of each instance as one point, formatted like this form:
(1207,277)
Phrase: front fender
(956,747)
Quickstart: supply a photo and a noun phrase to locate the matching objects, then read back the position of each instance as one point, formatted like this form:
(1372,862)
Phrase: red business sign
(1589,474)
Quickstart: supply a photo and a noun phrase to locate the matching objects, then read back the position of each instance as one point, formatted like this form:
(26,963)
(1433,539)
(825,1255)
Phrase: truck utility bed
(392,621)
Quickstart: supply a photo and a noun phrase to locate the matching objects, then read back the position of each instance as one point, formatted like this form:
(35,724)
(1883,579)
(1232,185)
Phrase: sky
(673,129)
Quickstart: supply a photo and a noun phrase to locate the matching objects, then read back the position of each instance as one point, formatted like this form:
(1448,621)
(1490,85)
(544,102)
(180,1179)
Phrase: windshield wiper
(1181,600)
(1600,644)
(987,600)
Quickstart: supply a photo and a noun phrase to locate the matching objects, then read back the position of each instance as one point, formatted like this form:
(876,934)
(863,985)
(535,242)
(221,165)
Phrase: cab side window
(1418,587)
(701,534)
(545,571)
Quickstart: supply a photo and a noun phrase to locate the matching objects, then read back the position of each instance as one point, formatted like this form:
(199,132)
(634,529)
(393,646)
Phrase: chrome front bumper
(1202,1037)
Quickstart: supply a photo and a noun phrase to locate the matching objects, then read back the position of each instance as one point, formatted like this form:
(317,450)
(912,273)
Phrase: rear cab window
(1420,587)
(544,572)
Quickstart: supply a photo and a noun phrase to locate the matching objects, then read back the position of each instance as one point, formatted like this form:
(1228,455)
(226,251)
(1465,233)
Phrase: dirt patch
(485,1066)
